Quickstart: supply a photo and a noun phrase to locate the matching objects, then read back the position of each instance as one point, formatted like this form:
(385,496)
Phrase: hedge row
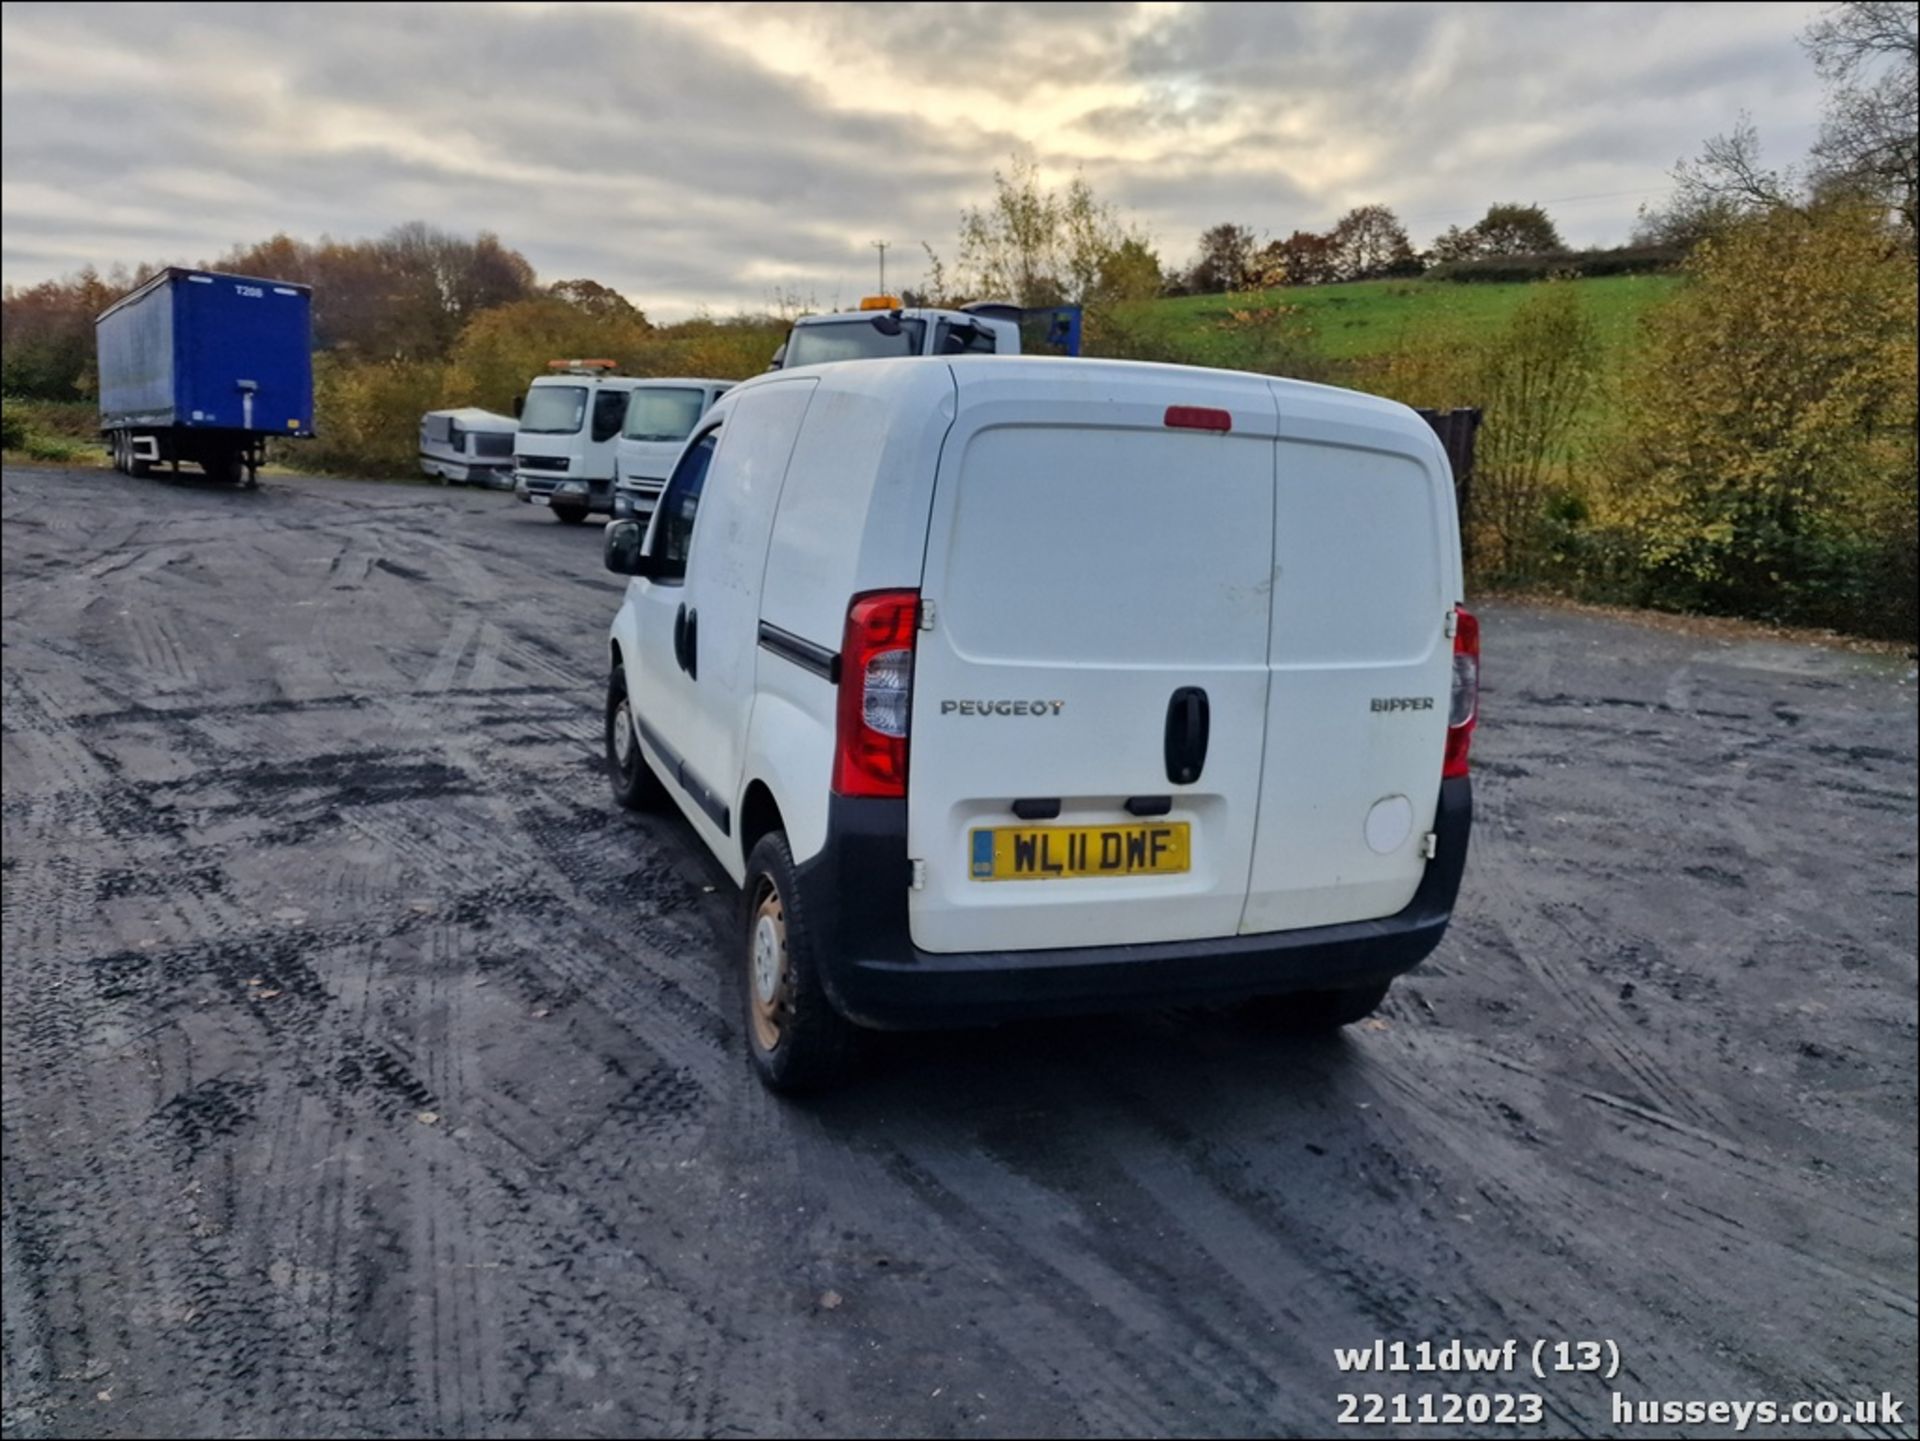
(1621,260)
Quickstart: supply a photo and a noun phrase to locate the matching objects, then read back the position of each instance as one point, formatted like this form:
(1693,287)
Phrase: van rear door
(1090,685)
(1366,573)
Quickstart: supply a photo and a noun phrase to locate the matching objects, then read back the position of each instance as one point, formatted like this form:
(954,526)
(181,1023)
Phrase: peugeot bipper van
(1008,686)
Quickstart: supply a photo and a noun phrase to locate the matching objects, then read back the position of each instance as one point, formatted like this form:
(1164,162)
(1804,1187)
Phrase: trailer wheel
(135,465)
(222,465)
(115,456)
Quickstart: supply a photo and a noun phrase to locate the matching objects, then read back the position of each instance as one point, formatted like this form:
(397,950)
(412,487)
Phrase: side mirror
(779,357)
(519,404)
(887,322)
(624,550)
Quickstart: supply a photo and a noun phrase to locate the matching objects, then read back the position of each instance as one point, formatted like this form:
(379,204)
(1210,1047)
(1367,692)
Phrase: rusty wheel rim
(768,992)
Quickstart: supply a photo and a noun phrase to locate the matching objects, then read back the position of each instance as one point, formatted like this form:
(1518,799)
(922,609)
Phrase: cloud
(699,155)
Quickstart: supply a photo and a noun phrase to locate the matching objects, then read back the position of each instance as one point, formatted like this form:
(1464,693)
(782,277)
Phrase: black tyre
(635,786)
(135,465)
(1308,1011)
(223,465)
(117,452)
(797,1040)
(571,514)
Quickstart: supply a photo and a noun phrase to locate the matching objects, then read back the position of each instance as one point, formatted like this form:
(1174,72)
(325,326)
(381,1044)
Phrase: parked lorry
(660,416)
(883,329)
(565,450)
(202,367)
(468,446)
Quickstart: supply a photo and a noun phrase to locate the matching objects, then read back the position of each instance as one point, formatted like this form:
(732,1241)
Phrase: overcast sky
(696,155)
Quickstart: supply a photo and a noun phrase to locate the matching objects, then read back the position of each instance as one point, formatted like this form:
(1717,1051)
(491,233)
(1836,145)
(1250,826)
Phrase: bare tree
(1868,53)
(1730,176)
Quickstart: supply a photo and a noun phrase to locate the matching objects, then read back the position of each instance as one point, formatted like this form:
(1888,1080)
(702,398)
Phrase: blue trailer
(201,367)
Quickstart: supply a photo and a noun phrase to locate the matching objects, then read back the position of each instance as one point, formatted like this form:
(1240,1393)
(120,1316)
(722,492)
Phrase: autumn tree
(1035,245)
(1130,271)
(1369,241)
(1305,257)
(1506,229)
(1770,464)
(504,347)
(1225,258)
(595,299)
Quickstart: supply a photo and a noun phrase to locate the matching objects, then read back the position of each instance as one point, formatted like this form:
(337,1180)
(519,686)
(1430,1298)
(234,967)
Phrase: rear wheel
(571,514)
(222,465)
(797,1040)
(135,465)
(117,451)
(1307,1011)
(635,786)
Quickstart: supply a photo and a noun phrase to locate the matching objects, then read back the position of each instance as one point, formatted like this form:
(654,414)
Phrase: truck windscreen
(554,409)
(663,412)
(816,344)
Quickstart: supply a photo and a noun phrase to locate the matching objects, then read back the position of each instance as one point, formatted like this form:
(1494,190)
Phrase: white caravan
(1014,686)
(468,446)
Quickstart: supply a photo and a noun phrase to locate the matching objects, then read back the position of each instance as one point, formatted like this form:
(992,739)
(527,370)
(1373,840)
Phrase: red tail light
(1465,708)
(876,694)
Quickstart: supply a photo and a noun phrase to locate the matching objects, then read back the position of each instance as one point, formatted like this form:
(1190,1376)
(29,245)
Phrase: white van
(564,450)
(1021,685)
(661,415)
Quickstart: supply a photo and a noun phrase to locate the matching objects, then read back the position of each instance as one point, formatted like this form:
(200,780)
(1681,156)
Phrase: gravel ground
(366,1071)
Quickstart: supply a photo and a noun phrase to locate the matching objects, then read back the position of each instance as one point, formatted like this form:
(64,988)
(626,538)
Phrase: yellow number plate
(1046,853)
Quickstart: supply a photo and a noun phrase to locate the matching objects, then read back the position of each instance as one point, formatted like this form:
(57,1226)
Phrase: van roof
(907,373)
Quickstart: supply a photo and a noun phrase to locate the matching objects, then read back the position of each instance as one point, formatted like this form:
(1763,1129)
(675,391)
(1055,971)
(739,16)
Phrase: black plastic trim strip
(801,651)
(715,808)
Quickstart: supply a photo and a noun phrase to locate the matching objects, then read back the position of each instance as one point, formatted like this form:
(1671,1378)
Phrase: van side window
(673,532)
(609,412)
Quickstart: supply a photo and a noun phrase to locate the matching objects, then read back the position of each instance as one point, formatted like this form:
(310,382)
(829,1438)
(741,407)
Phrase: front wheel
(571,514)
(635,786)
(797,1040)
(1309,1011)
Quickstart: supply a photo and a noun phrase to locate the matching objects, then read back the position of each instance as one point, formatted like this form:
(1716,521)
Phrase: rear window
(832,340)
(663,412)
(554,410)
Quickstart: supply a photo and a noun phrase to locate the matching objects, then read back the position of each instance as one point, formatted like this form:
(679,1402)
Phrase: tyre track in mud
(488,1159)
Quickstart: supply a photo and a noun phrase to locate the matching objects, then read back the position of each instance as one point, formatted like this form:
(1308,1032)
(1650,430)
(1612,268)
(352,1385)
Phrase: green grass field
(1370,318)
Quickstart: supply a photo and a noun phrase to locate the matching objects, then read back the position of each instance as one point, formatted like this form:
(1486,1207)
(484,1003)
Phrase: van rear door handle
(1188,721)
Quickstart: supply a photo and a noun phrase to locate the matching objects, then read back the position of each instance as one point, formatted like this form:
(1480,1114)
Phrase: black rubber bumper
(856,899)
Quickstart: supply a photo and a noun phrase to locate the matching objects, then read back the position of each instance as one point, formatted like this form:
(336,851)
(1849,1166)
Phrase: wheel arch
(760,816)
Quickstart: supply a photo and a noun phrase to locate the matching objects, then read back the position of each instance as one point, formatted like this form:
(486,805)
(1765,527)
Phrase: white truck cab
(1015,686)
(881,329)
(661,414)
(565,449)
